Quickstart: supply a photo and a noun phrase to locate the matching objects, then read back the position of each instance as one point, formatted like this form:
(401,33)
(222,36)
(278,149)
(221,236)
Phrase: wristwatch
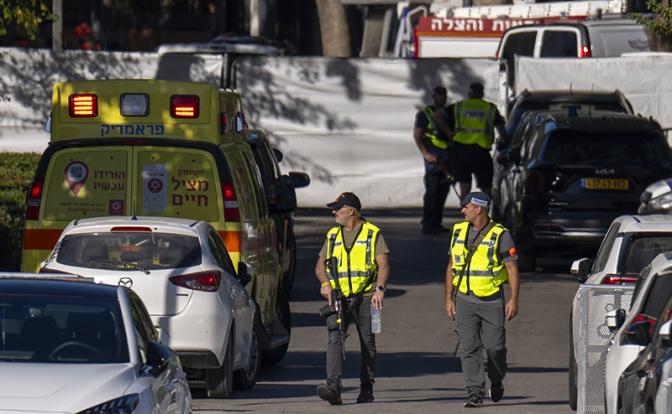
(380,289)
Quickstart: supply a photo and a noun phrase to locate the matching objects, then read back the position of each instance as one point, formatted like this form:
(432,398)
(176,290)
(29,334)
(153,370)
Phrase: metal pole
(57,26)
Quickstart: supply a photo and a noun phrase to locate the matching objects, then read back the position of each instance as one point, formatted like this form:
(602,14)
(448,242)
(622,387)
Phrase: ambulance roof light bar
(83,105)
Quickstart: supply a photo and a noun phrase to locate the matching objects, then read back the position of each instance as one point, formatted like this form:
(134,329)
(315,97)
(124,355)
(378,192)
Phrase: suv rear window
(129,251)
(641,250)
(580,148)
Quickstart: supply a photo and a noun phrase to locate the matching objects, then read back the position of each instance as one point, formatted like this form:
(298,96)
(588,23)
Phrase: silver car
(71,346)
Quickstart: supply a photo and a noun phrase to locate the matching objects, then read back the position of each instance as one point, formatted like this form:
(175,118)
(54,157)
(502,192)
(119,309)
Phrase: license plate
(605,183)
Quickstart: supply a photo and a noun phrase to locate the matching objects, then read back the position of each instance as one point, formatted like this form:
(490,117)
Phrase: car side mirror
(277,154)
(298,179)
(158,356)
(615,319)
(665,334)
(244,276)
(580,268)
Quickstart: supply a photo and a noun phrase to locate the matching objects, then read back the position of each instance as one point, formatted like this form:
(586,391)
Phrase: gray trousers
(367,342)
(481,325)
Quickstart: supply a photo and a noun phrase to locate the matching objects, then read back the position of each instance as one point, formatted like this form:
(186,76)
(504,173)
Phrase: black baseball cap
(346,199)
(478,198)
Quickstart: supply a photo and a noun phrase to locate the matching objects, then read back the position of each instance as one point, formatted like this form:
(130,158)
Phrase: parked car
(604,37)
(72,346)
(184,275)
(570,174)
(636,326)
(639,385)
(656,198)
(280,192)
(631,243)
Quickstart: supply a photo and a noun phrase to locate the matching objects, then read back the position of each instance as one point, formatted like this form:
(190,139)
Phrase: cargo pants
(480,325)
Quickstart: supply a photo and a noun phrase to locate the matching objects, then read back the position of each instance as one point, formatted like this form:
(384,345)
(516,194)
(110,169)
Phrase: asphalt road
(416,371)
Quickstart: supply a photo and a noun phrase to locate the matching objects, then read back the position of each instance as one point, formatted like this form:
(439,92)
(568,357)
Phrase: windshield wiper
(134,266)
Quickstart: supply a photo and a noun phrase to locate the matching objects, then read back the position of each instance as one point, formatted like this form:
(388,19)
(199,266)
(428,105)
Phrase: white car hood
(61,388)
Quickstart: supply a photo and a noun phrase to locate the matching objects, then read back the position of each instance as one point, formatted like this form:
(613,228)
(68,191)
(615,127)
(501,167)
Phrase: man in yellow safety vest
(472,123)
(434,145)
(483,258)
(359,256)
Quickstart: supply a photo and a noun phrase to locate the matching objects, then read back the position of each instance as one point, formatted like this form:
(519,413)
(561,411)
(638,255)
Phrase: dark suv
(281,199)
(566,175)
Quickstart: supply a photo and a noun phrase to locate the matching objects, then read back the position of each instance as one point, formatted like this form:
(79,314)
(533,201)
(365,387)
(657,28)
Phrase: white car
(651,294)
(629,245)
(184,275)
(71,346)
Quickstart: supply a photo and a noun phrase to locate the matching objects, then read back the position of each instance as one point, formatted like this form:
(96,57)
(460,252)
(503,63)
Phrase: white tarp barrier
(349,122)
(644,80)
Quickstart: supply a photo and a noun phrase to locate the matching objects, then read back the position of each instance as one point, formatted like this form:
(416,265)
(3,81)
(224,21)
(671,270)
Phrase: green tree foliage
(16,174)
(23,17)
(660,19)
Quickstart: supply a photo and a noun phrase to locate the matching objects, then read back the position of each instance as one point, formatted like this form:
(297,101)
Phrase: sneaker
(473,401)
(330,392)
(496,391)
(366,393)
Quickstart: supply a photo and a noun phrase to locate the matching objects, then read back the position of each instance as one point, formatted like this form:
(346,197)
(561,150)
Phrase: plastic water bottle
(376,320)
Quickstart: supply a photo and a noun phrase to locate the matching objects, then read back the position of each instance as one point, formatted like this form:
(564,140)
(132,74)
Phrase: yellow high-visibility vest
(474,122)
(431,133)
(486,272)
(357,268)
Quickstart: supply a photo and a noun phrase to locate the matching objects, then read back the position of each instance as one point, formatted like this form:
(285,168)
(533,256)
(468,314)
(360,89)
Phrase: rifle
(337,301)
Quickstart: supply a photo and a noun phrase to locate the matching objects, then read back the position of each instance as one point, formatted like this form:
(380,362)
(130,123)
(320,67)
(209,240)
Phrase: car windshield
(580,148)
(121,250)
(56,329)
(639,251)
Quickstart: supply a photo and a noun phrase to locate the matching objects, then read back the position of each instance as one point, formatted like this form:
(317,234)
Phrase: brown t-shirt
(349,239)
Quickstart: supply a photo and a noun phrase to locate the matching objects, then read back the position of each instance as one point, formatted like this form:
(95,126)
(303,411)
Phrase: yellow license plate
(605,184)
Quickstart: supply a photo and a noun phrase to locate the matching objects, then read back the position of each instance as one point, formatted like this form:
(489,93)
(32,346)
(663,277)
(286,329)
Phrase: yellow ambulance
(158,148)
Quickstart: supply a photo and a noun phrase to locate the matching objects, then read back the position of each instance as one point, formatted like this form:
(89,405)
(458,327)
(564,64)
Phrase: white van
(604,37)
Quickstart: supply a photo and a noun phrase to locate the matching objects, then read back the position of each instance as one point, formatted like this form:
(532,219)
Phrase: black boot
(366,393)
(331,392)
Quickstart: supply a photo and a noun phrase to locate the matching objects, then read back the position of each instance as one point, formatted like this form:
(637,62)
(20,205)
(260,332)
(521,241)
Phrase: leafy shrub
(16,175)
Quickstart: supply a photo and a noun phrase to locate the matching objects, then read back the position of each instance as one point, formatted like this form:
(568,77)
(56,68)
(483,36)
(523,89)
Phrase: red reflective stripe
(40,239)
(231,240)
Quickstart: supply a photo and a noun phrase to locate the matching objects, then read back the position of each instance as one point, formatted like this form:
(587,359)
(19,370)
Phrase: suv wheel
(219,381)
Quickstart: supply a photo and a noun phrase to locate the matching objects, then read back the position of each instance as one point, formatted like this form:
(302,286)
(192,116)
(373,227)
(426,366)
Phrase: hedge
(16,175)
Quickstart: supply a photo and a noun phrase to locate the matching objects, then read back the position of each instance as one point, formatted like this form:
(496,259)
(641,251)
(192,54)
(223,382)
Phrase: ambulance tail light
(34,201)
(184,106)
(205,281)
(585,52)
(83,105)
(231,212)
